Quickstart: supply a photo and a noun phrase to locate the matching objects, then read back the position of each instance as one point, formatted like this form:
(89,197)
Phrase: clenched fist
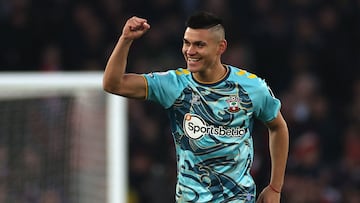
(134,28)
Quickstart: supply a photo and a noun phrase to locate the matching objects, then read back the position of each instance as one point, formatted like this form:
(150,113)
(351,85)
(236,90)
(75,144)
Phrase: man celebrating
(212,107)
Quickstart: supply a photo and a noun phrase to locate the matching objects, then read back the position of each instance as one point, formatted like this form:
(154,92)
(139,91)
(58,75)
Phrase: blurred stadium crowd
(307,50)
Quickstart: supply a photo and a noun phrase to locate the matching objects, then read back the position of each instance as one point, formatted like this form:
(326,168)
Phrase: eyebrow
(196,42)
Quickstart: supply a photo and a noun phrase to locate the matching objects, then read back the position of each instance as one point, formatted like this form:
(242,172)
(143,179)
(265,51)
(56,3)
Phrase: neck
(212,75)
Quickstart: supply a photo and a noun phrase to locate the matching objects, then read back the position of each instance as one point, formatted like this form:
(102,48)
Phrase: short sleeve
(267,105)
(162,87)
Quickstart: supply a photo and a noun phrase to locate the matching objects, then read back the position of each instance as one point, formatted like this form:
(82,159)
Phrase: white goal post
(24,84)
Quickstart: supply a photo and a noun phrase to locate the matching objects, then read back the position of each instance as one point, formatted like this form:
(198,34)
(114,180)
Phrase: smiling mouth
(193,60)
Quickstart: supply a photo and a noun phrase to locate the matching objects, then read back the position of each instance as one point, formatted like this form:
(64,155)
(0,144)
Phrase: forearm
(279,146)
(116,65)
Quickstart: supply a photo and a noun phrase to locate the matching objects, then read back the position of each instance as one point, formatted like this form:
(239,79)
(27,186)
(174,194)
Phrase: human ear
(222,46)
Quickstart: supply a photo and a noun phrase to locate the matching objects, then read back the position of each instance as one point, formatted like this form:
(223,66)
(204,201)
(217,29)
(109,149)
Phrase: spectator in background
(266,35)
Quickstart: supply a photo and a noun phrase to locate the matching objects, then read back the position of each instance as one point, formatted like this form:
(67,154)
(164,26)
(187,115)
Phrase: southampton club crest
(233,104)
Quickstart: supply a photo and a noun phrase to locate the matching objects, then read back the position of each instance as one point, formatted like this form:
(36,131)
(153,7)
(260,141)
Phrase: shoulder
(169,73)
(168,79)
(165,87)
(245,77)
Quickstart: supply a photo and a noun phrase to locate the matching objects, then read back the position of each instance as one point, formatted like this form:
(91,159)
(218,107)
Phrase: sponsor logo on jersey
(195,127)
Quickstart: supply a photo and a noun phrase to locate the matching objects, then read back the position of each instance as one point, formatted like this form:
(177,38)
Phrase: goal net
(62,139)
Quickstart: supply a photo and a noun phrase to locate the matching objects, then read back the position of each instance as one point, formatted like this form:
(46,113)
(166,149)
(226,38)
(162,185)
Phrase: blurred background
(307,50)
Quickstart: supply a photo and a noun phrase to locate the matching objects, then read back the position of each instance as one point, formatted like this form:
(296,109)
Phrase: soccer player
(212,107)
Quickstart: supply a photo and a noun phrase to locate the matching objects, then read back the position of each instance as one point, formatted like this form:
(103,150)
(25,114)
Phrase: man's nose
(191,50)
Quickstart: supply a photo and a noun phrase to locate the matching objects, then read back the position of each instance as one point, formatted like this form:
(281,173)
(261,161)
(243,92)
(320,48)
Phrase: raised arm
(115,79)
(279,146)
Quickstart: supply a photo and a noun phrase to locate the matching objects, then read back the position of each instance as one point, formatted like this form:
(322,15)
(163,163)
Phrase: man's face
(201,49)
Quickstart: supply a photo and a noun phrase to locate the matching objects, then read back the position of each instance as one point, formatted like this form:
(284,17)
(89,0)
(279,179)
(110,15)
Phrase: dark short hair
(203,20)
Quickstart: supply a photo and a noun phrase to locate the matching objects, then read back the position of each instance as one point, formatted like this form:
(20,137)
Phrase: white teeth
(193,60)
